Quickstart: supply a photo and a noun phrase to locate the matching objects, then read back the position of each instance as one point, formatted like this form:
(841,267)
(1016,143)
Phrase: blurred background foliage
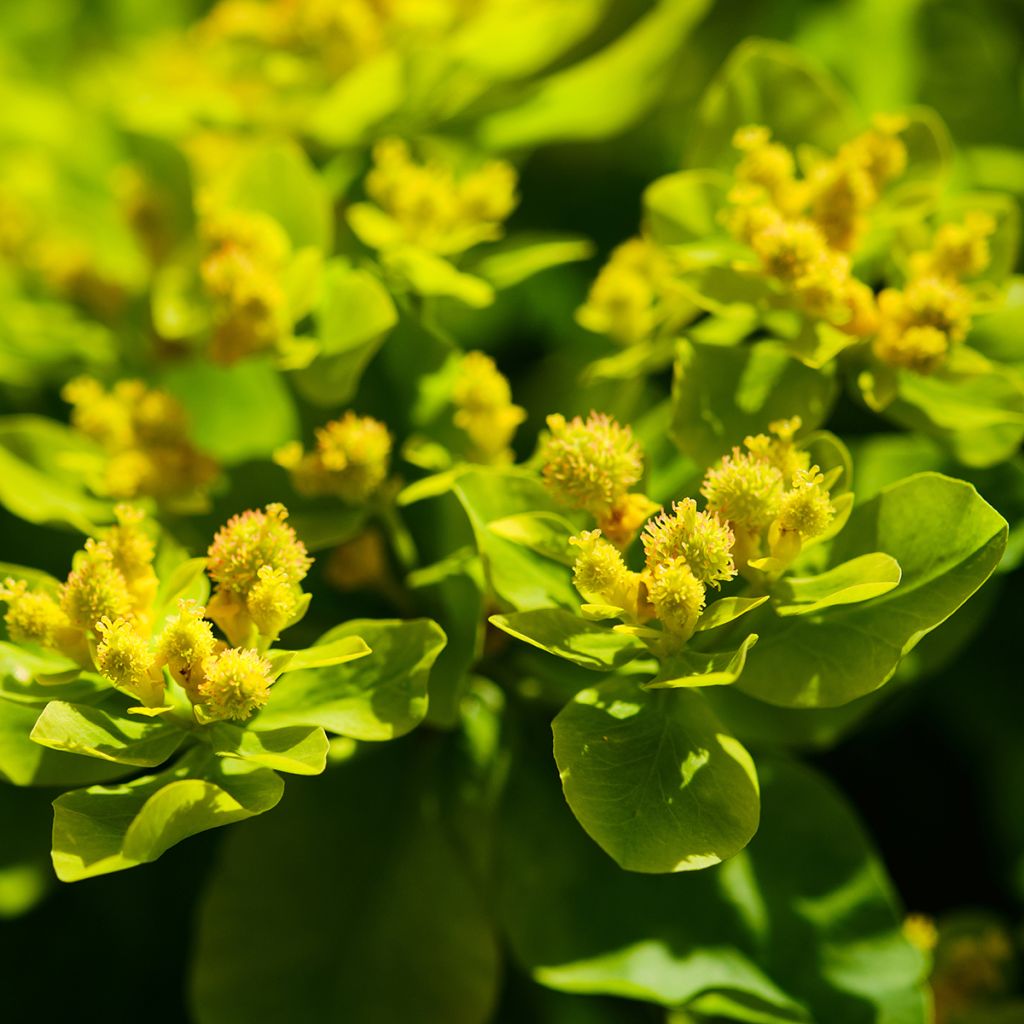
(938,777)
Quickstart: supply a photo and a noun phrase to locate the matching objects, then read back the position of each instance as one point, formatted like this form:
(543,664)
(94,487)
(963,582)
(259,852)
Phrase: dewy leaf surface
(946,539)
(653,778)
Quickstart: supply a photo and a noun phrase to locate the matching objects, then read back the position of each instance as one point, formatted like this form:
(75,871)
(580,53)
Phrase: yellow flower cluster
(351,460)
(635,293)
(591,465)
(429,207)
(257,563)
(144,432)
(923,321)
(243,262)
(484,409)
(769,493)
(686,551)
(102,615)
(803,229)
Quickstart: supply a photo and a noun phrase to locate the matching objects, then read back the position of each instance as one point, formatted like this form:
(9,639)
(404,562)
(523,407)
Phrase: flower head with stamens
(32,616)
(123,656)
(677,595)
(235,683)
(187,639)
(95,588)
(806,509)
(600,574)
(590,465)
(744,489)
(701,538)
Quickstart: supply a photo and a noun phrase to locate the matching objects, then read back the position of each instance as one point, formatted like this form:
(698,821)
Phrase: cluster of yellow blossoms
(634,294)
(101,617)
(427,206)
(591,465)
(144,432)
(803,230)
(484,409)
(351,460)
(243,262)
(767,494)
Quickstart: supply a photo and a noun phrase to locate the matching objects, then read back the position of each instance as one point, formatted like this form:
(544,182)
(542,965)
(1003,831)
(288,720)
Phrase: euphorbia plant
(134,663)
(646,756)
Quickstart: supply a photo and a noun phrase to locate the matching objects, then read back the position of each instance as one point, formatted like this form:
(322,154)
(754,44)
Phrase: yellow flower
(701,538)
(600,574)
(32,616)
(768,165)
(252,540)
(806,509)
(484,408)
(236,683)
(123,656)
(187,639)
(590,465)
(958,250)
(677,595)
(744,489)
(273,601)
(95,588)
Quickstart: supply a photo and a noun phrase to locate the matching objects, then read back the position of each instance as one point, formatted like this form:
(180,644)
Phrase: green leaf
(979,418)
(278,179)
(698,668)
(299,749)
(308,913)
(727,609)
(720,395)
(379,697)
(518,576)
(237,413)
(547,533)
(603,95)
(323,654)
(770,83)
(24,763)
(566,635)
(803,922)
(859,579)
(683,208)
(353,319)
(514,260)
(432,275)
(110,828)
(96,732)
(946,539)
(652,778)
(44,467)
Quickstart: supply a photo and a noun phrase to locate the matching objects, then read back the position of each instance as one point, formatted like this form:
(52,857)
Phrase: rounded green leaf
(110,828)
(299,749)
(946,539)
(377,697)
(802,924)
(653,779)
(859,579)
(107,734)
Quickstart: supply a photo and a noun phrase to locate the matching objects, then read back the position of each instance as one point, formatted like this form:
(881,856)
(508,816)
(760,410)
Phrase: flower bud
(600,574)
(700,538)
(32,617)
(187,640)
(95,588)
(273,601)
(806,509)
(123,656)
(252,540)
(590,465)
(744,489)
(484,408)
(677,595)
(236,683)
